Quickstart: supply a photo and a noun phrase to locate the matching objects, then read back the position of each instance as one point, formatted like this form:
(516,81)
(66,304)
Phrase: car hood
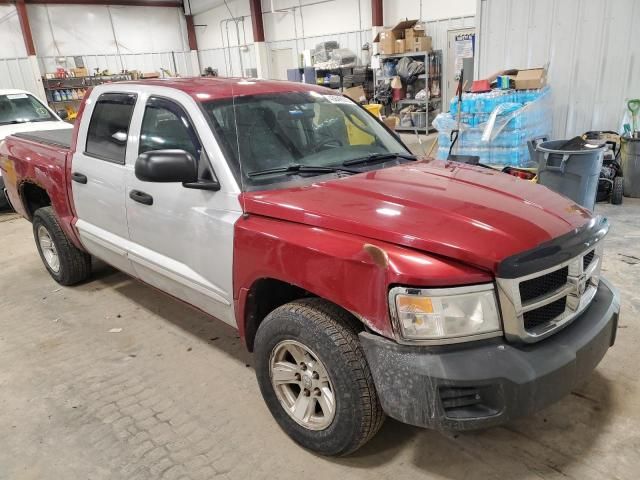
(6,130)
(471,214)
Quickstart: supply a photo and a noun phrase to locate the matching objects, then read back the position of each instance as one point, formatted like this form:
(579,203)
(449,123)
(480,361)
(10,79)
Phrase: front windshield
(288,135)
(22,108)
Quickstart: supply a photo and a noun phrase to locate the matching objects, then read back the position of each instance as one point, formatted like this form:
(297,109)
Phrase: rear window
(109,127)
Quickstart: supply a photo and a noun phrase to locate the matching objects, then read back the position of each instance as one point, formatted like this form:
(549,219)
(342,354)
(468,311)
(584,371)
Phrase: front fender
(351,271)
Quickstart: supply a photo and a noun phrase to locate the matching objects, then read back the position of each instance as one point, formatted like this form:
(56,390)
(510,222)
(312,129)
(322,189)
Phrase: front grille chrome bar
(580,288)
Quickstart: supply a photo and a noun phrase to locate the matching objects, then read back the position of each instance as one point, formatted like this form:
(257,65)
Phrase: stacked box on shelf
(519,116)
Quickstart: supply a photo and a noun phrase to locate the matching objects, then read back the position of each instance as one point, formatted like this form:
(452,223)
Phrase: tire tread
(343,329)
(75,264)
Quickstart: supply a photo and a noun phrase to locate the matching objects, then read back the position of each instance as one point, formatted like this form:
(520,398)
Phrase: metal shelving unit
(429,80)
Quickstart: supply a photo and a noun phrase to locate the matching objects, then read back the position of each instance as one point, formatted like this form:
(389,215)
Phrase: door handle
(79,178)
(141,197)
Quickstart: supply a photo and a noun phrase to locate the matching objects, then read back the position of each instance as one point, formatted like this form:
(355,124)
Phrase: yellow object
(374,108)
(356,133)
(414,304)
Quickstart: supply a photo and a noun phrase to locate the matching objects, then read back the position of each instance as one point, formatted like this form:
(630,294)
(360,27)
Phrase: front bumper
(481,384)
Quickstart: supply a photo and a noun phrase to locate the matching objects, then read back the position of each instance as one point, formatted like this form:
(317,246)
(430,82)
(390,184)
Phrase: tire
(73,265)
(330,334)
(4,204)
(617,191)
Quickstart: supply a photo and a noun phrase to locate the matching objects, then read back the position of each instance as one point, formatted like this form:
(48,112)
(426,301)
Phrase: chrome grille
(537,305)
(588,258)
(539,286)
(543,315)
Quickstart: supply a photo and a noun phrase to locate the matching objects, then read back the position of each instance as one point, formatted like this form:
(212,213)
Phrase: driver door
(182,238)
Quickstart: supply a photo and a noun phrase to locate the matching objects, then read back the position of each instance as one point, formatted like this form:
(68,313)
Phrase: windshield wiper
(378,157)
(297,168)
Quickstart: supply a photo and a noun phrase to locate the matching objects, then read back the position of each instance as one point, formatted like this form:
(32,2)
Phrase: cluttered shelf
(408,76)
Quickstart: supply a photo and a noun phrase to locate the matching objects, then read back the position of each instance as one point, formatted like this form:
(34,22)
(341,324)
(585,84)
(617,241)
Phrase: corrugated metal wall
(593,47)
(18,73)
(438,29)
(230,62)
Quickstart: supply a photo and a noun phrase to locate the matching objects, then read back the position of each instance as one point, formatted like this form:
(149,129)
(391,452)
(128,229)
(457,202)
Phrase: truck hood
(6,130)
(471,214)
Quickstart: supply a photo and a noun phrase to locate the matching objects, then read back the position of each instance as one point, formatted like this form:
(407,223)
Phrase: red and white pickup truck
(366,281)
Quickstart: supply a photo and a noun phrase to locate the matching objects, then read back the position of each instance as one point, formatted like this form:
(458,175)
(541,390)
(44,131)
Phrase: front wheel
(64,262)
(315,379)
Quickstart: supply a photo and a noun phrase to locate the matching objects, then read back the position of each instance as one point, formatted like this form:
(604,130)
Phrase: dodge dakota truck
(22,112)
(367,282)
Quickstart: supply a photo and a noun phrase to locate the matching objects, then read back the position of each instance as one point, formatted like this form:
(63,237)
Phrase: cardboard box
(80,72)
(531,79)
(356,94)
(399,48)
(418,44)
(414,33)
(391,122)
(387,38)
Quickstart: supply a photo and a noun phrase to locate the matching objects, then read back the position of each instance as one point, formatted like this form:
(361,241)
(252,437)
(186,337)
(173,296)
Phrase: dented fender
(351,271)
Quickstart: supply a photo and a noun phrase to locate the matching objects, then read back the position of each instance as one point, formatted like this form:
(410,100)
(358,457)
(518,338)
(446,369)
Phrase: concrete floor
(173,395)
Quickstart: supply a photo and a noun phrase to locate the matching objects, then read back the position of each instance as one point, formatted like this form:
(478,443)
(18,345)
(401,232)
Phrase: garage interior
(113,379)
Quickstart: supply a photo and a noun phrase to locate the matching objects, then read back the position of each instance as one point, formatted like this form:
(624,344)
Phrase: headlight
(435,315)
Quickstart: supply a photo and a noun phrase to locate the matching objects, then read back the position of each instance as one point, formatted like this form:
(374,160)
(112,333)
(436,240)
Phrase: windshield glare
(276,131)
(22,108)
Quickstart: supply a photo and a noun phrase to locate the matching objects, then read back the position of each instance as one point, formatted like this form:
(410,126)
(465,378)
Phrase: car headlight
(445,315)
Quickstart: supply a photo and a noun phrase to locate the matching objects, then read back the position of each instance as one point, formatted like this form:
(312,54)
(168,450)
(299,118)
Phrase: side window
(165,126)
(109,127)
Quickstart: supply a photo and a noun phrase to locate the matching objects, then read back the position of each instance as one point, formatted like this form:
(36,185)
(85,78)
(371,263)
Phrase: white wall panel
(228,60)
(592,46)
(215,29)
(438,29)
(396,10)
(88,30)
(18,73)
(11,42)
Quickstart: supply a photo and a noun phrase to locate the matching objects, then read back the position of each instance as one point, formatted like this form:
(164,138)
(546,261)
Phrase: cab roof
(212,88)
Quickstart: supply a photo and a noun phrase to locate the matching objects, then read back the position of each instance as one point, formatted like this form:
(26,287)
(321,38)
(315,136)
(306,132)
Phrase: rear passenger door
(99,178)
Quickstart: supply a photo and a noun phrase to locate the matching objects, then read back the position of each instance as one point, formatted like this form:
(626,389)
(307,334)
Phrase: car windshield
(272,138)
(22,108)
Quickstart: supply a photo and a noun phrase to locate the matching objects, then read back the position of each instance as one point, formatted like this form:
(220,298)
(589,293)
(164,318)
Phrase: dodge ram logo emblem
(581,284)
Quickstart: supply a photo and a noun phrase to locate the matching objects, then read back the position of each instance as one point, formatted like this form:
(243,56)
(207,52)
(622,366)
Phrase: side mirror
(166,166)
(63,114)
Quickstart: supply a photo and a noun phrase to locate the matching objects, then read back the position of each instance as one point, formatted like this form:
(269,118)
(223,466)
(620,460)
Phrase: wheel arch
(33,197)
(265,295)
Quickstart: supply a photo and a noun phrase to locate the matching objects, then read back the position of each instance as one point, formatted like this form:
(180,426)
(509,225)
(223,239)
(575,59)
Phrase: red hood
(475,215)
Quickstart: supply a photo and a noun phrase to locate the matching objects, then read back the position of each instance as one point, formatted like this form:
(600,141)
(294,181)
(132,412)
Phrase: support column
(377,17)
(377,25)
(262,54)
(193,44)
(21,9)
(29,46)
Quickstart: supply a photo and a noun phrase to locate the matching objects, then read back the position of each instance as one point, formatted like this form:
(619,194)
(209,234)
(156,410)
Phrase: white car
(20,111)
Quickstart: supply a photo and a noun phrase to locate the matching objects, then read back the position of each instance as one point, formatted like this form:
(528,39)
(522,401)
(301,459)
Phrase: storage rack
(75,83)
(430,80)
